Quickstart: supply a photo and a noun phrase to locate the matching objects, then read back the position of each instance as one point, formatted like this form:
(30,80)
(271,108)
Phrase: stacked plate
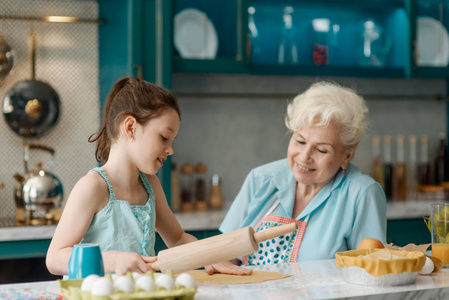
(433,43)
(194,35)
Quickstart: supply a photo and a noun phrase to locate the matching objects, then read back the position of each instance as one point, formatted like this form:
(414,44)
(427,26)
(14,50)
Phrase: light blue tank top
(120,226)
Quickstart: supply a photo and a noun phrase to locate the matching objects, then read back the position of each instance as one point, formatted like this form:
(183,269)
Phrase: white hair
(326,102)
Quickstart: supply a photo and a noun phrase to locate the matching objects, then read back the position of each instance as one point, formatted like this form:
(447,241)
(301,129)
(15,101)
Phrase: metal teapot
(37,189)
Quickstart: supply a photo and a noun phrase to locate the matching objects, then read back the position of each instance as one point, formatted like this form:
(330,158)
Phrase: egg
(145,283)
(165,281)
(102,287)
(124,284)
(185,280)
(136,275)
(88,282)
(428,267)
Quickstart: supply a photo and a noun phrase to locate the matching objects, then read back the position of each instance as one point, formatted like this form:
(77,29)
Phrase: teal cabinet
(221,26)
(322,38)
(134,42)
(405,231)
(430,24)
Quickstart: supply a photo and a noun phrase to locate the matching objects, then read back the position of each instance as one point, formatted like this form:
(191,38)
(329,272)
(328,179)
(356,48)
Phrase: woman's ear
(348,156)
(129,128)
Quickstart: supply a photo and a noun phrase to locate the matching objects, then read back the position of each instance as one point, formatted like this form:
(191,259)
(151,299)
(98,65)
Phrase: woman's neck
(304,194)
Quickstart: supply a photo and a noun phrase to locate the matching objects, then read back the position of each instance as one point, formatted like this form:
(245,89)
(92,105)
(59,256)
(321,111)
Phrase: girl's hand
(132,262)
(227,267)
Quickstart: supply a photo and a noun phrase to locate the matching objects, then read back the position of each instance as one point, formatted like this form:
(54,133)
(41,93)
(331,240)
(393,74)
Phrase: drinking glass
(85,260)
(440,232)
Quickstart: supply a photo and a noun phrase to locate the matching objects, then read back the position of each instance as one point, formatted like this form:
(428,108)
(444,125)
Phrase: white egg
(88,282)
(124,284)
(165,281)
(136,275)
(102,287)
(145,283)
(428,267)
(185,280)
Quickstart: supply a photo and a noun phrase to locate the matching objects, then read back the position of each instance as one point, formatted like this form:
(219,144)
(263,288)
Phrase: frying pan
(6,59)
(32,107)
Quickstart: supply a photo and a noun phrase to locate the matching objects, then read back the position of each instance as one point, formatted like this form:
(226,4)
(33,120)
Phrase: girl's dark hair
(130,97)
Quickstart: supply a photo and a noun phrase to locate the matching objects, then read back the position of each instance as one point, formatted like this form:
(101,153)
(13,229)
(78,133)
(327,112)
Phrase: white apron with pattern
(281,249)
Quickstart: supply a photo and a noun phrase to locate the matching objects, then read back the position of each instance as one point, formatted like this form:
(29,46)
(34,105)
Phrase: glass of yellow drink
(440,232)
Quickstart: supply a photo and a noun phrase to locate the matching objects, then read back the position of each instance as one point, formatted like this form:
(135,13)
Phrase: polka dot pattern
(274,251)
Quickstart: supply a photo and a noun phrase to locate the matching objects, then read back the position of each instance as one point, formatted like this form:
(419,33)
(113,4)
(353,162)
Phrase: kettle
(38,189)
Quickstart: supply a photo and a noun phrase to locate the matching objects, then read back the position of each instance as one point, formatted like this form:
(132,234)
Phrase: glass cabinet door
(359,38)
(209,36)
(431,38)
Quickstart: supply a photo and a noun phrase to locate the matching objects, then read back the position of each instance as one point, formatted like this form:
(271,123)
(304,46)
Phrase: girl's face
(153,141)
(315,154)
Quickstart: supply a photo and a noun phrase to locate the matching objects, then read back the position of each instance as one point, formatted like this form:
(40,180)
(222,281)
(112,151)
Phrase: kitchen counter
(310,280)
(207,220)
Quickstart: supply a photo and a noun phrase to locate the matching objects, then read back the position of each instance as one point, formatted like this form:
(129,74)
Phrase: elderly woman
(333,203)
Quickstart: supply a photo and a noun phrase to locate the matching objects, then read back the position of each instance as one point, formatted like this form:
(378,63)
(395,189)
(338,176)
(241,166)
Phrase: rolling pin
(216,249)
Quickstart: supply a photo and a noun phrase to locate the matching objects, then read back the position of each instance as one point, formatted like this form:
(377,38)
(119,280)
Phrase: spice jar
(186,179)
(216,199)
(199,190)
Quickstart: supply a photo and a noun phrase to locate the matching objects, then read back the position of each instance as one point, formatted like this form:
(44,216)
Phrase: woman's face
(315,154)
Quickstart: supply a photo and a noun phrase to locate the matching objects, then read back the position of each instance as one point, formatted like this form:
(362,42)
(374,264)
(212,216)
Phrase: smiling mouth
(304,168)
(161,160)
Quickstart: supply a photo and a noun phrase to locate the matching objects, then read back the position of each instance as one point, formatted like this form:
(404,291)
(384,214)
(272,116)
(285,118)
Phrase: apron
(282,249)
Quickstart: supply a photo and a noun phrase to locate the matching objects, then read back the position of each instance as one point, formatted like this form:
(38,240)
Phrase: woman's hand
(227,267)
(125,262)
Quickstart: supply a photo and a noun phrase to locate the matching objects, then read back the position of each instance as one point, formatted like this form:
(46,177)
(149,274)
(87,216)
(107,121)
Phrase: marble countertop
(310,280)
(207,220)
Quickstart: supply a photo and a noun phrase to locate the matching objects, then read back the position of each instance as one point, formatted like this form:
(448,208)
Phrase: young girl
(121,204)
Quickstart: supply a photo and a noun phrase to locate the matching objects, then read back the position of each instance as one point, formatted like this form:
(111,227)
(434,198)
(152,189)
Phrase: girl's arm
(82,204)
(173,235)
(88,197)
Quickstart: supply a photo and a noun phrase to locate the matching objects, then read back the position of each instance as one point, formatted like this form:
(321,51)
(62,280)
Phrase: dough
(201,276)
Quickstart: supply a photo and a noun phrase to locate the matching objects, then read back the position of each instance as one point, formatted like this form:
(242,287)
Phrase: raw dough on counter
(201,276)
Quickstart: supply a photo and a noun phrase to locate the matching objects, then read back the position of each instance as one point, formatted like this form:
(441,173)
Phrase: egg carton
(71,289)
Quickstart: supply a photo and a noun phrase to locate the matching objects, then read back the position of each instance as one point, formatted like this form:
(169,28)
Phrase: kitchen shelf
(230,86)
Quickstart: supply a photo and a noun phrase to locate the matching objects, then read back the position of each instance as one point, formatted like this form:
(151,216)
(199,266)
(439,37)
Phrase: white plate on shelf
(433,43)
(194,35)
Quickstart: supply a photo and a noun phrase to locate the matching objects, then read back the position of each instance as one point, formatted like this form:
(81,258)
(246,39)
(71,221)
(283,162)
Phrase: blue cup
(85,260)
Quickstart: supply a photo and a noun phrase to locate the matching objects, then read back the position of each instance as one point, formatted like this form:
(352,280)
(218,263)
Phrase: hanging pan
(6,59)
(32,107)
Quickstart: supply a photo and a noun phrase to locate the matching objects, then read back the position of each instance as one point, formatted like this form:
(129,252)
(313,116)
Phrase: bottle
(377,168)
(321,29)
(412,174)
(388,169)
(216,199)
(254,49)
(424,175)
(441,162)
(400,170)
(175,195)
(199,191)
(187,200)
(288,51)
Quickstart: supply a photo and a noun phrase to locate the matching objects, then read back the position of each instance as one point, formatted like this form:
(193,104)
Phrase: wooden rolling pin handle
(274,232)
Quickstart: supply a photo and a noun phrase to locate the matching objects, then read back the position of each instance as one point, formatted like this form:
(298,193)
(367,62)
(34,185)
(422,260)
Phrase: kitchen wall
(67,59)
(232,133)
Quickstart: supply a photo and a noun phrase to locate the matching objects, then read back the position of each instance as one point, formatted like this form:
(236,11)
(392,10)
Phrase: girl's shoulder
(92,184)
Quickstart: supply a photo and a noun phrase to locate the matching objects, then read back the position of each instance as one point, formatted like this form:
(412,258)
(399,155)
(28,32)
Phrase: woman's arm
(371,216)
(173,235)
